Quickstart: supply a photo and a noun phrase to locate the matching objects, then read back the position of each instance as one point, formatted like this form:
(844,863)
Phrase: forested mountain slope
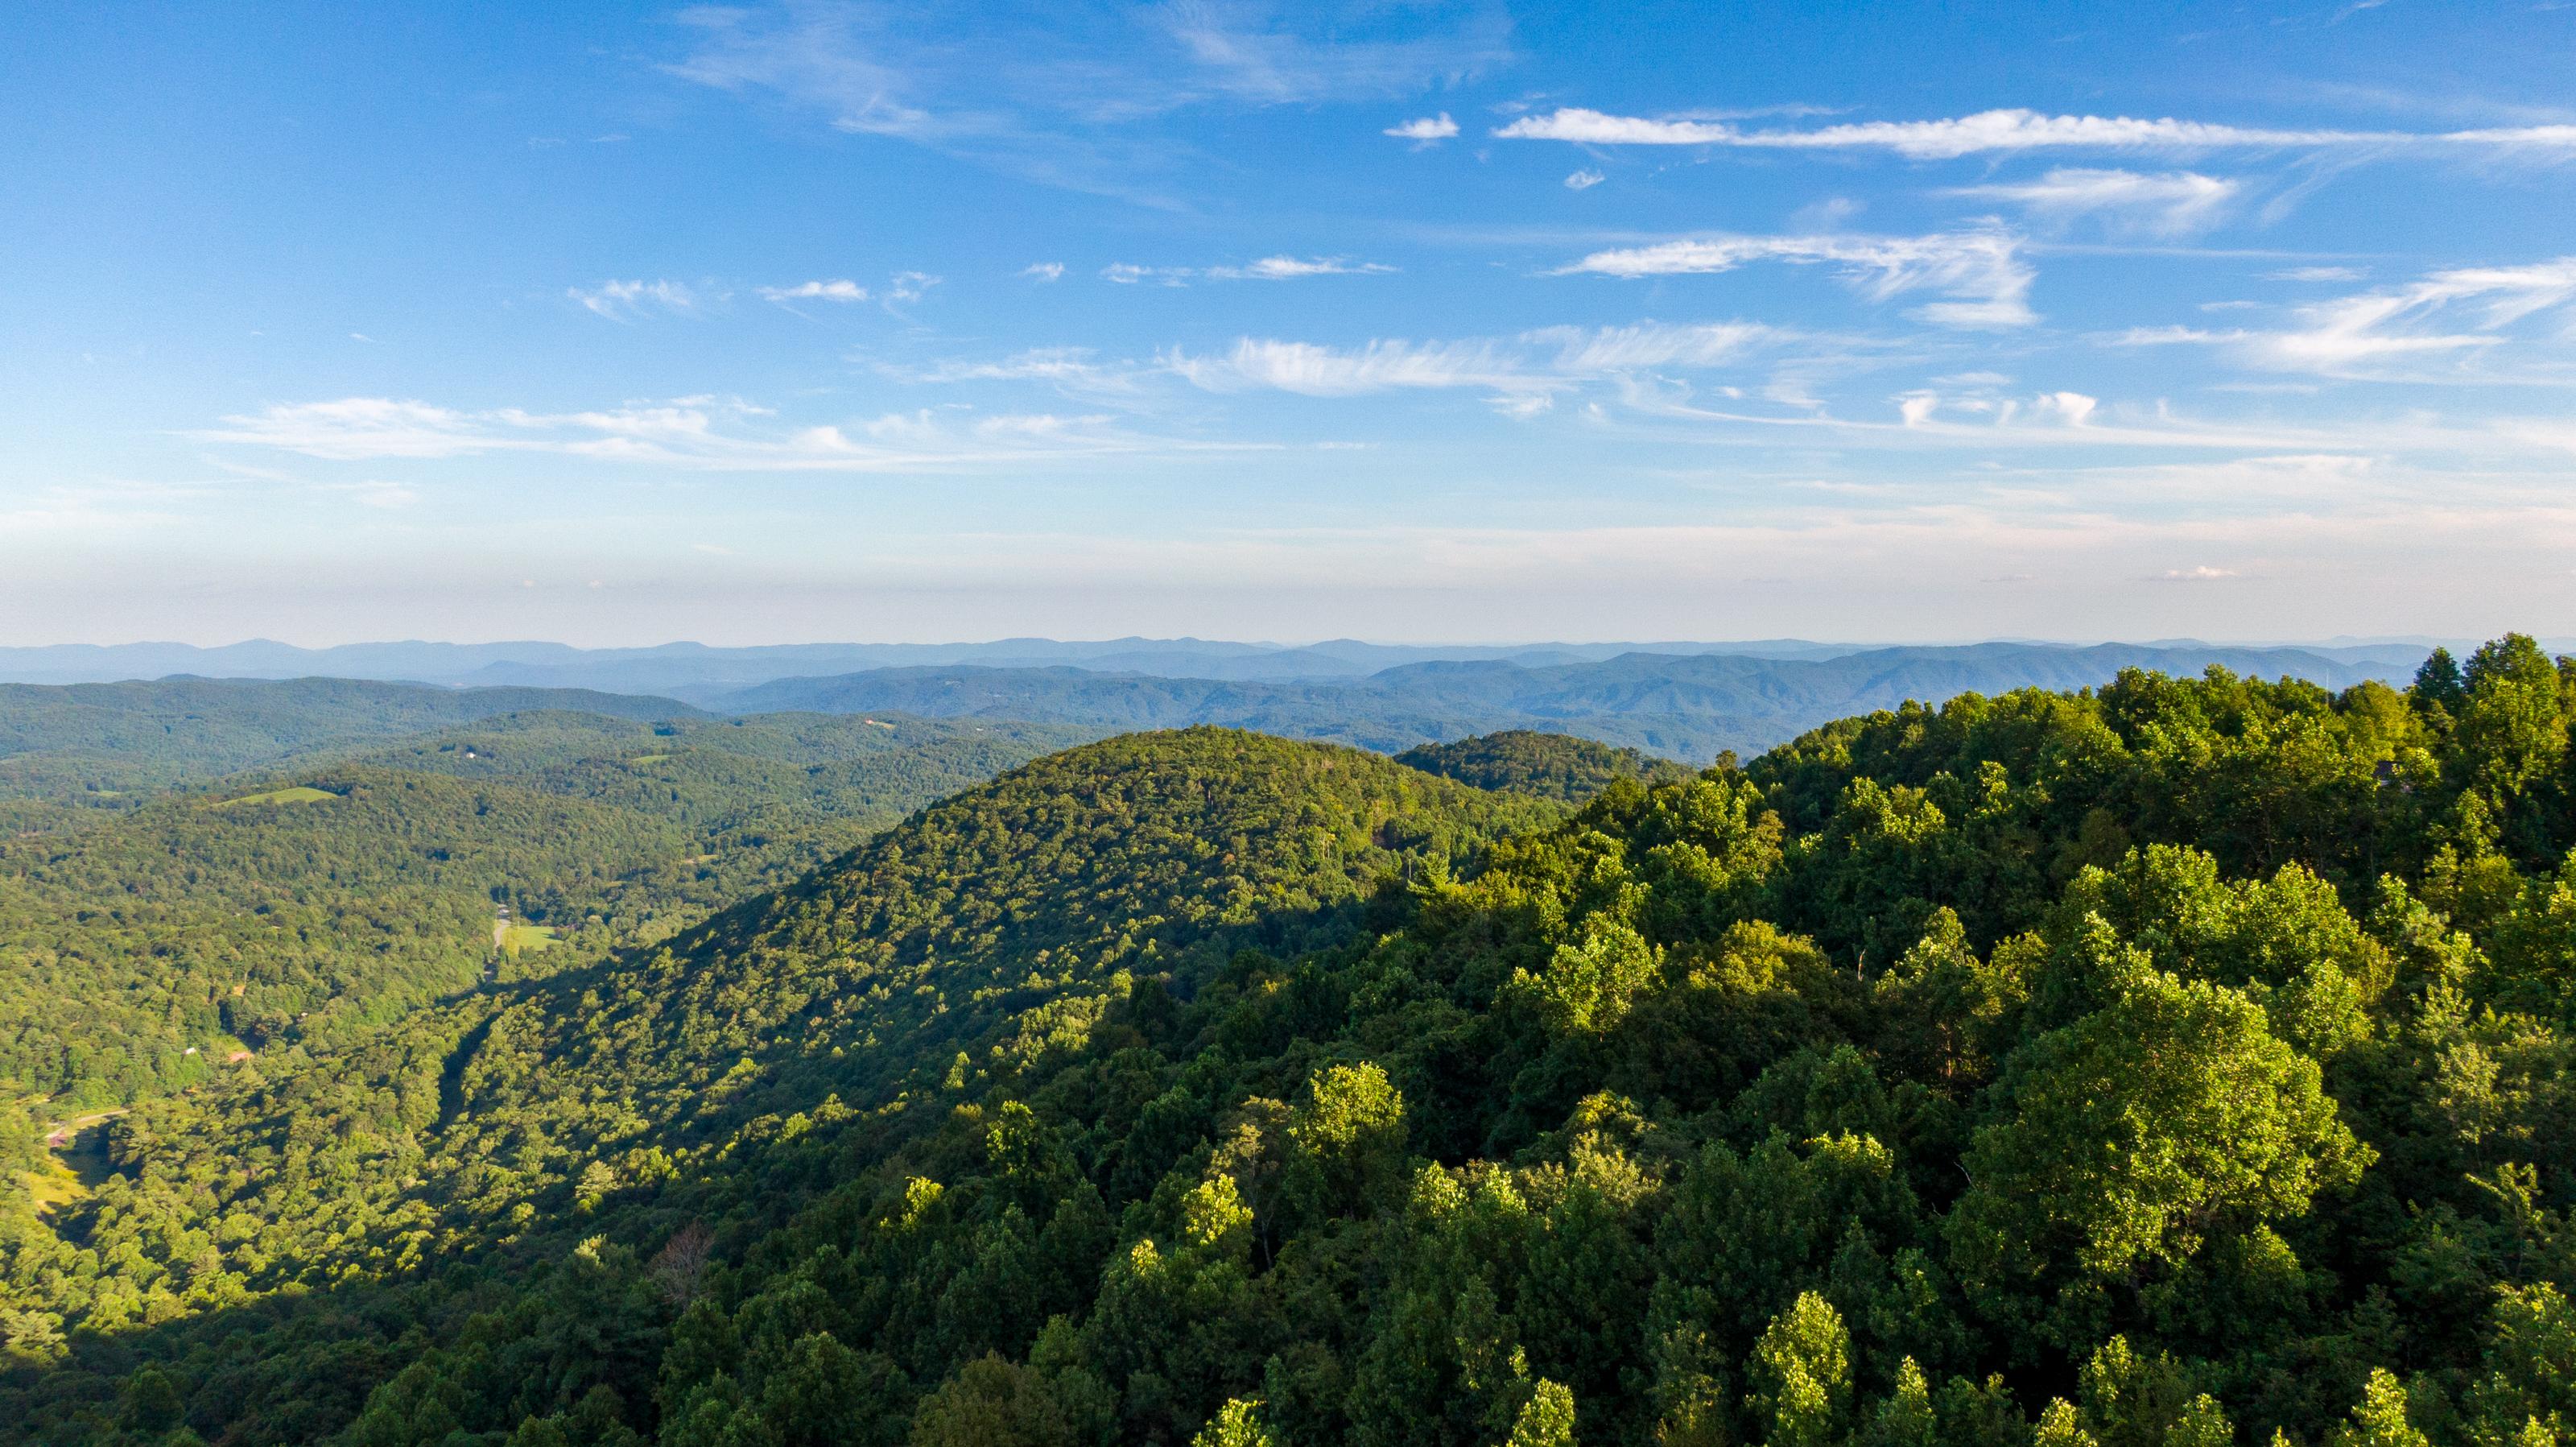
(1001,924)
(1683,707)
(106,745)
(2182,1064)
(137,955)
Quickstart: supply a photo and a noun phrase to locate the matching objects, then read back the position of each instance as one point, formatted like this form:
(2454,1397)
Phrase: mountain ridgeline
(2186,1061)
(1682,706)
(666,668)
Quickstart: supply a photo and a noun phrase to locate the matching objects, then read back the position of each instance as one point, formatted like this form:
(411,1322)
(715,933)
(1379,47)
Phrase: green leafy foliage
(2148,1067)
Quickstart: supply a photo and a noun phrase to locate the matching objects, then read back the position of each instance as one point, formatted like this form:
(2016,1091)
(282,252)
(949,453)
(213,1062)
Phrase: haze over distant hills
(1685,701)
(684,665)
(1683,706)
(699,668)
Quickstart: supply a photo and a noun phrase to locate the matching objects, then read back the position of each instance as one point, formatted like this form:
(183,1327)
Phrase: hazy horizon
(1958,641)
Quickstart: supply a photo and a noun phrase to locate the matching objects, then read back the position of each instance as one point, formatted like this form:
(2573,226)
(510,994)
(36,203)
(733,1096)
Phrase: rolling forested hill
(111,745)
(2187,1062)
(1548,766)
(310,904)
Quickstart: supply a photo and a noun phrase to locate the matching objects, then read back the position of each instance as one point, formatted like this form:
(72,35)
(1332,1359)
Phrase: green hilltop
(1546,765)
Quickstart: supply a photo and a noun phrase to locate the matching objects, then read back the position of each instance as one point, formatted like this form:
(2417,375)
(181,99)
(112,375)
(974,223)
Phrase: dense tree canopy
(2185,1063)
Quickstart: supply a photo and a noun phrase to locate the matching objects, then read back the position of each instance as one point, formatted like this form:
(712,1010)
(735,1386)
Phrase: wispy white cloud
(2543,140)
(1040,426)
(1268,268)
(1052,94)
(690,433)
(2319,273)
(358,427)
(1427,128)
(1584,180)
(1522,375)
(1980,271)
(2074,407)
(2451,314)
(1044,271)
(2174,203)
(1596,128)
(1127,273)
(1291,268)
(1073,371)
(909,286)
(1039,363)
(1378,366)
(625,301)
(1593,351)
(1985,131)
(833,291)
(1917,409)
(1285,54)
(1985,420)
(2008,131)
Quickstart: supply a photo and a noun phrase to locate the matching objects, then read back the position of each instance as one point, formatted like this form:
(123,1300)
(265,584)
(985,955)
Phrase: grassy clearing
(54,1186)
(517,937)
(75,1161)
(300,794)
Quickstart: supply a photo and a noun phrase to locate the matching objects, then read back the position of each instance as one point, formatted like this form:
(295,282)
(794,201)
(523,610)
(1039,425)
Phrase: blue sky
(1439,322)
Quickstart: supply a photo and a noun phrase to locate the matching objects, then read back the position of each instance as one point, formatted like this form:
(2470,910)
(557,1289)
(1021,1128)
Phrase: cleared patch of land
(299,794)
(517,937)
(53,1187)
(75,1162)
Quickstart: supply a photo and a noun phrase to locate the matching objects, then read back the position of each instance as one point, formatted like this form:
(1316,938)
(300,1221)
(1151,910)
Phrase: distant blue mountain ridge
(1682,706)
(1682,700)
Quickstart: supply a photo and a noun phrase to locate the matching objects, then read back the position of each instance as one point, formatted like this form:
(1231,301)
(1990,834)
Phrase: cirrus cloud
(688,433)
(2175,203)
(625,301)
(2010,130)
(1979,271)
(1268,268)
(833,291)
(2455,313)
